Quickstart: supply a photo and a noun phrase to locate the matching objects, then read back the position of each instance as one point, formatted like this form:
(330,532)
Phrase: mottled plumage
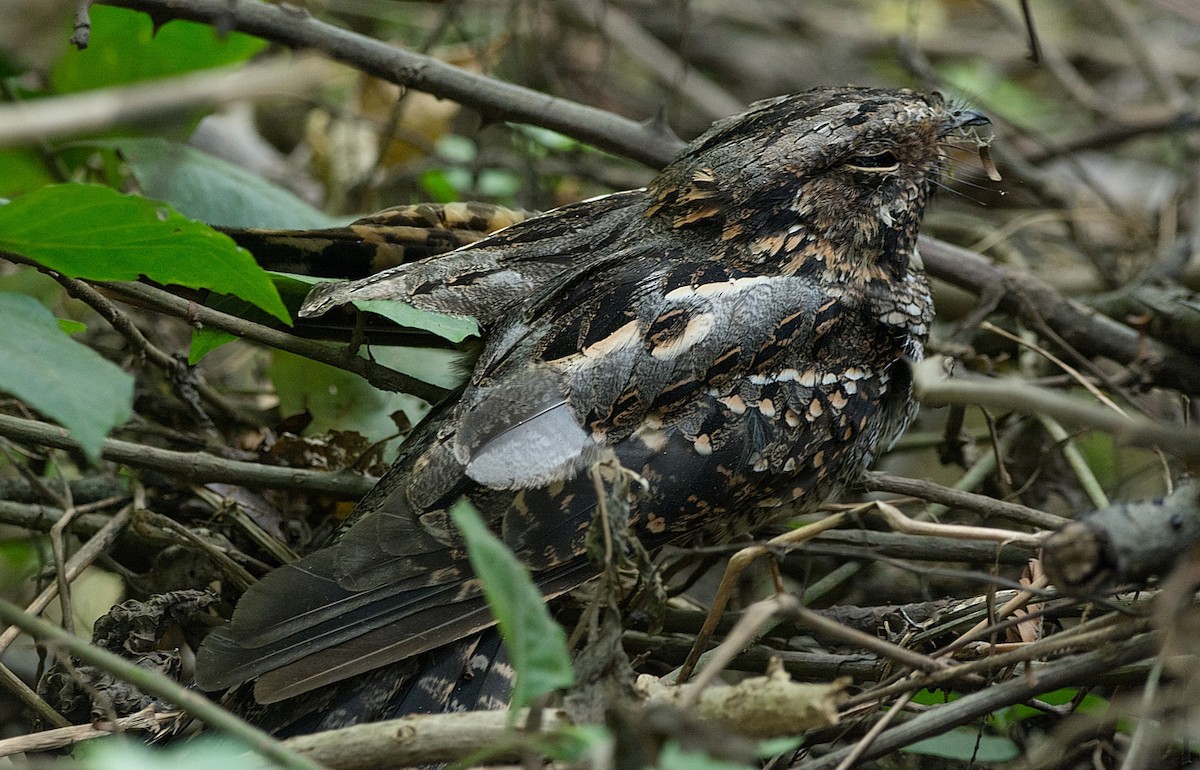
(739,334)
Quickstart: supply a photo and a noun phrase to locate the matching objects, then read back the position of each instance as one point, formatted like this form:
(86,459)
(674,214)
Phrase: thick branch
(495,100)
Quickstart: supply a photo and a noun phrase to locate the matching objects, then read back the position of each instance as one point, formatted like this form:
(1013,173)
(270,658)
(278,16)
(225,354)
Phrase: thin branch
(93,111)
(175,368)
(195,466)
(47,740)
(1081,327)
(334,355)
(874,481)
(1018,396)
(494,100)
(1073,671)
(154,683)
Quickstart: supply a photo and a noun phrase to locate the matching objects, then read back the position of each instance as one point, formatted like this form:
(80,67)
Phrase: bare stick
(154,683)
(195,466)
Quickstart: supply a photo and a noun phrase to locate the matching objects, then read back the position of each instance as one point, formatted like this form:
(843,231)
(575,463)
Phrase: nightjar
(738,333)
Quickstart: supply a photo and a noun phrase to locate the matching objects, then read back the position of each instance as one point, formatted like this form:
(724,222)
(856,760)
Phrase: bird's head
(832,180)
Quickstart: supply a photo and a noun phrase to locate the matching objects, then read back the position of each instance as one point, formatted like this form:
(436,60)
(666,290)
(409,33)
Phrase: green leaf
(67,382)
(125,48)
(92,232)
(966,744)
(536,644)
(203,187)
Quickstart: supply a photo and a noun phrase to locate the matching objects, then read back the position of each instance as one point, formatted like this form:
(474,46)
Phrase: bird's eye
(880,163)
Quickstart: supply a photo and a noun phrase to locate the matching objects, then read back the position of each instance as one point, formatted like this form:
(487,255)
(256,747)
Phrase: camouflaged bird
(738,334)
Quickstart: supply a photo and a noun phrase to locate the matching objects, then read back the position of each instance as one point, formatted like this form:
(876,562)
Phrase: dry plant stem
(86,113)
(737,564)
(40,518)
(1018,396)
(333,355)
(195,466)
(806,618)
(236,572)
(901,523)
(875,481)
(1073,372)
(495,100)
(1144,741)
(1075,459)
(48,740)
(1020,600)
(1074,670)
(90,551)
(137,341)
(741,635)
(154,683)
(1083,637)
(880,725)
(81,560)
(417,740)
(1040,304)
(58,549)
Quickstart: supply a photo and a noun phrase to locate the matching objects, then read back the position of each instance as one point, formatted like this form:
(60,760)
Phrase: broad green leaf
(536,644)
(67,382)
(451,327)
(125,48)
(92,232)
(203,187)
(966,744)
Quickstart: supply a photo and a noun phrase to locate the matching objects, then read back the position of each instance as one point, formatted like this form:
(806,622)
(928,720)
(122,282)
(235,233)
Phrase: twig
(861,747)
(87,554)
(1015,395)
(195,466)
(94,111)
(417,740)
(343,358)
(1081,327)
(40,518)
(495,100)
(176,370)
(1075,670)
(81,560)
(48,740)
(83,24)
(875,481)
(154,683)
(738,564)
(901,523)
